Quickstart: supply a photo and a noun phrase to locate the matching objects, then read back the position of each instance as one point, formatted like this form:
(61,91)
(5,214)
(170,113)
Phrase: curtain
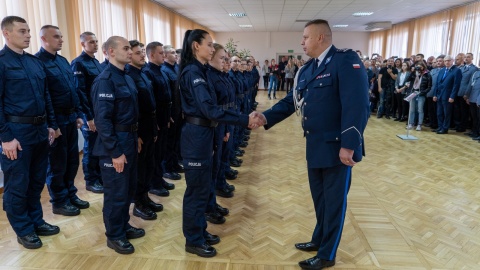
(133,19)
(431,34)
(376,43)
(397,40)
(37,14)
(465,35)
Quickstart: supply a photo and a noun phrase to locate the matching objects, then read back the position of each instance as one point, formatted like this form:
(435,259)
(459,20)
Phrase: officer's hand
(58,133)
(171,120)
(155,139)
(140,142)
(434,99)
(79,122)
(10,149)
(451,100)
(51,135)
(91,126)
(346,156)
(256,120)
(227,136)
(119,163)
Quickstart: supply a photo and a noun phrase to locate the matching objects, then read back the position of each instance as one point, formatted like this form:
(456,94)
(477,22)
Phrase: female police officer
(202,113)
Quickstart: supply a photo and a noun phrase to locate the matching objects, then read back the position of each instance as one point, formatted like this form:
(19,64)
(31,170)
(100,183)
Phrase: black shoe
(246,137)
(79,203)
(172,176)
(460,130)
(269,97)
(476,138)
(162,192)
(442,131)
(221,210)
(134,233)
(247,132)
(387,116)
(95,188)
(396,119)
(230,175)
(122,246)
(212,239)
(379,116)
(235,163)
(144,212)
(238,153)
(316,263)
(241,150)
(47,229)
(230,187)
(239,160)
(156,207)
(308,246)
(204,250)
(167,185)
(434,130)
(66,210)
(225,193)
(234,171)
(215,218)
(403,119)
(243,144)
(30,241)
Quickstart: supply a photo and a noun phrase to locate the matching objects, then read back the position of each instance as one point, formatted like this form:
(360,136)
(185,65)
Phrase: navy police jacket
(199,100)
(147,123)
(161,91)
(85,70)
(114,99)
(171,72)
(24,92)
(335,107)
(61,87)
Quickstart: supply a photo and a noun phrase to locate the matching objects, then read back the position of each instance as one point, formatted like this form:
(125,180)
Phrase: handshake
(256,120)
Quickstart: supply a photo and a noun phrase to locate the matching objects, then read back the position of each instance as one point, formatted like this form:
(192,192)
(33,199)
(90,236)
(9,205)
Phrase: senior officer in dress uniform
(114,99)
(63,159)
(25,113)
(334,88)
(85,69)
(144,208)
(201,115)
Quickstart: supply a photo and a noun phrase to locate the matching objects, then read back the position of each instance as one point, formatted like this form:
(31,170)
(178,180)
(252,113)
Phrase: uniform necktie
(316,65)
(445,74)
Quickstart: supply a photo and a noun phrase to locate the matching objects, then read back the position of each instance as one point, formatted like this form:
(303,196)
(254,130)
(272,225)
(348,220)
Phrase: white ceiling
(280,15)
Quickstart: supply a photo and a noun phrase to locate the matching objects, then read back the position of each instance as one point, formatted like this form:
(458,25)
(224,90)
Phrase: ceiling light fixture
(245,25)
(362,14)
(340,25)
(238,14)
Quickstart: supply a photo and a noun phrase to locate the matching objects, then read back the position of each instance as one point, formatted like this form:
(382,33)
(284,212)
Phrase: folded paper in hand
(411,96)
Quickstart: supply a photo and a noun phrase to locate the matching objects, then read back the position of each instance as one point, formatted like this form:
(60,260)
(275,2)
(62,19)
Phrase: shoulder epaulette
(343,50)
(106,75)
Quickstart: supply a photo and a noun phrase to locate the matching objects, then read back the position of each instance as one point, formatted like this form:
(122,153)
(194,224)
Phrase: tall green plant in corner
(231,47)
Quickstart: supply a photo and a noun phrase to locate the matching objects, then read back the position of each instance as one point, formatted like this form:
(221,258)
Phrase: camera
(418,68)
(389,66)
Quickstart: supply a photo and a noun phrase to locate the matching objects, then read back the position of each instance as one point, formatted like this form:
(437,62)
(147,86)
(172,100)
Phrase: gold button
(336,138)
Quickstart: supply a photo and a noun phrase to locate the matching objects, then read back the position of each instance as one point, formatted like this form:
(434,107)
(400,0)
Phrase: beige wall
(266,45)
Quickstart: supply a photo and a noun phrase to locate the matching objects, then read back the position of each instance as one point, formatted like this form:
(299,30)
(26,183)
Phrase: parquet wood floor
(412,205)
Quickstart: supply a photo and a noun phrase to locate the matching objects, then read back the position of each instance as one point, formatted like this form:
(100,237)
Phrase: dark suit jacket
(335,108)
(448,87)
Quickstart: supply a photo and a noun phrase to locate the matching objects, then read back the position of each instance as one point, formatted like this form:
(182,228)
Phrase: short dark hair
(8,21)
(441,56)
(134,43)
(85,34)
(178,51)
(112,42)
(420,54)
(48,26)
(320,22)
(152,46)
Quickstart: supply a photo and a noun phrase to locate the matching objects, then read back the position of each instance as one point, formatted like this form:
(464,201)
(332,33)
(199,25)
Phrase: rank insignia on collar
(328,60)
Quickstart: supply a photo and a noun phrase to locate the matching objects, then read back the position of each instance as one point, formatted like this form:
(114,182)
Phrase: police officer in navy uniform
(85,69)
(334,91)
(163,100)
(105,62)
(63,158)
(114,99)
(201,115)
(25,113)
(144,208)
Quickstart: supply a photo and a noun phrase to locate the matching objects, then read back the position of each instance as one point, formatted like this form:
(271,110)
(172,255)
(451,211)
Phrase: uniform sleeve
(103,100)
(5,133)
(201,94)
(353,91)
(456,83)
(51,121)
(79,79)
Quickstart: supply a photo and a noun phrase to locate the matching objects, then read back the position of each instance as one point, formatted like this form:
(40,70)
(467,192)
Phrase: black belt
(34,120)
(126,128)
(64,111)
(200,121)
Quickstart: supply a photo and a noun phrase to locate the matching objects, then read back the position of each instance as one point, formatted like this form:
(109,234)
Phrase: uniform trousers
(444,114)
(160,150)
(91,169)
(329,188)
(63,162)
(24,182)
(461,113)
(146,167)
(119,190)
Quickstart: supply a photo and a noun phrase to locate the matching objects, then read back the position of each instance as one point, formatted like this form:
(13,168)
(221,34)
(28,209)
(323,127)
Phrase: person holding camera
(421,82)
(386,84)
(401,88)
